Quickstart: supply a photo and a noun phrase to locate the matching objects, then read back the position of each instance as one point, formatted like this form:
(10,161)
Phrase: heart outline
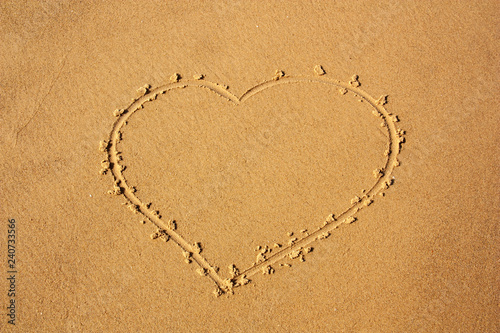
(121,187)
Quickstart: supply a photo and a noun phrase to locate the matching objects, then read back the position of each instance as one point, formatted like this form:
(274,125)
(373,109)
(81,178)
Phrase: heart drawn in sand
(167,229)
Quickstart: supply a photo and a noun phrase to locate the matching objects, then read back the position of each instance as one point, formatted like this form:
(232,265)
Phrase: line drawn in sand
(298,246)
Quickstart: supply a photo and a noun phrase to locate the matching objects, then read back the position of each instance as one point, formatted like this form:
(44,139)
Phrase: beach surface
(248,166)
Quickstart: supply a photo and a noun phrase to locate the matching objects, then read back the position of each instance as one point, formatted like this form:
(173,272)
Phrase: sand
(249,166)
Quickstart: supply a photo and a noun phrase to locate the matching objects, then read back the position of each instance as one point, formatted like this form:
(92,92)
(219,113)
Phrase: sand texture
(249,166)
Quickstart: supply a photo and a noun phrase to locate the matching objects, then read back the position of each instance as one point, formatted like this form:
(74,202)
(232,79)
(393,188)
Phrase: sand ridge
(297,247)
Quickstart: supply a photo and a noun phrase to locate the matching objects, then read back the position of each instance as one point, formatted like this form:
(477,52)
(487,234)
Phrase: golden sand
(338,161)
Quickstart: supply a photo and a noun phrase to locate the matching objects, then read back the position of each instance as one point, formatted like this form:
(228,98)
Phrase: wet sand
(249,167)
